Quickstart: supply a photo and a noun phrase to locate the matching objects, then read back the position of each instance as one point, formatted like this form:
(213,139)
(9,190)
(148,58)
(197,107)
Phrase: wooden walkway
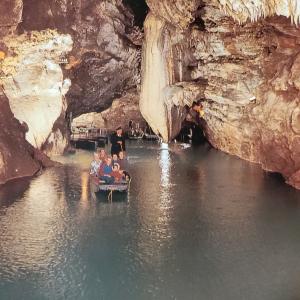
(89,137)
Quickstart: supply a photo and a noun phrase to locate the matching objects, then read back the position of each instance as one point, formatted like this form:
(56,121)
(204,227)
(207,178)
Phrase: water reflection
(84,189)
(164,162)
(199,225)
(12,191)
(165,166)
(31,228)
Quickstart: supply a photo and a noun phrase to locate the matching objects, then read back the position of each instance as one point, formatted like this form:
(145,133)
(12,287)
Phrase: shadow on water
(12,191)
(116,197)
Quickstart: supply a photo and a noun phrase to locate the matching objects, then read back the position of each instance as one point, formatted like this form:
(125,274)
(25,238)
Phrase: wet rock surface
(247,75)
(37,66)
(251,91)
(103,64)
(11,16)
(17,157)
(166,79)
(123,110)
(34,83)
(106,55)
(180,13)
(243,11)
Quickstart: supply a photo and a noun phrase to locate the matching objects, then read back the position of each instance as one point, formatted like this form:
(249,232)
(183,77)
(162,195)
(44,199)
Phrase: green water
(197,224)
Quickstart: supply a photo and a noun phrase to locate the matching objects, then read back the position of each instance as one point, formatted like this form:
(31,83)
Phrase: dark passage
(139,9)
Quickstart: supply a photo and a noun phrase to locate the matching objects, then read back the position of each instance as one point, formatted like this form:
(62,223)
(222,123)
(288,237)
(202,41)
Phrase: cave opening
(140,10)
(198,18)
(199,23)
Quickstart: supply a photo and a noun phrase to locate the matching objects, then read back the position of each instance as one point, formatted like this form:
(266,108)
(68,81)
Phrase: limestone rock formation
(109,57)
(247,74)
(106,56)
(92,119)
(252,10)
(104,63)
(179,13)
(252,94)
(120,113)
(33,81)
(17,157)
(123,110)
(11,15)
(165,91)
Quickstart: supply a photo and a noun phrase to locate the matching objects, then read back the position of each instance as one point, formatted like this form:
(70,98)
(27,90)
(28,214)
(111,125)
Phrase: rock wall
(253,10)
(39,69)
(252,107)
(166,86)
(34,83)
(120,113)
(11,15)
(179,13)
(17,157)
(247,74)
(105,59)
(123,110)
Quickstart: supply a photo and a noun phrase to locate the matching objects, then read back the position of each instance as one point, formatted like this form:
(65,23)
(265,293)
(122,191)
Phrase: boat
(135,135)
(101,188)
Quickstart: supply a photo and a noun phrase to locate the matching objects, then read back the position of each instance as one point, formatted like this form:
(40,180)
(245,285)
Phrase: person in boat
(123,162)
(117,142)
(105,171)
(95,165)
(102,154)
(117,173)
(115,159)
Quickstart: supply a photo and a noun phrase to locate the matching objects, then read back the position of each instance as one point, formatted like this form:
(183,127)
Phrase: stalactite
(253,10)
(164,92)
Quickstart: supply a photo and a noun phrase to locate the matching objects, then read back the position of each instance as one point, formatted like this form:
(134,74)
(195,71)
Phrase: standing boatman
(117,142)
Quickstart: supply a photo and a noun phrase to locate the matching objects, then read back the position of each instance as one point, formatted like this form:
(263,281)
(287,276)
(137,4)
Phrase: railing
(90,134)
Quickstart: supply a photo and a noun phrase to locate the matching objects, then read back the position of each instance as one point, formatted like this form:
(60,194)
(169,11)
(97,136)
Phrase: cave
(140,10)
(152,69)
(171,215)
(99,58)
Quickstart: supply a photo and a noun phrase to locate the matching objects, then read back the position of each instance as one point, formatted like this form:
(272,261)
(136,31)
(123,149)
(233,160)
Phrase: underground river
(197,224)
